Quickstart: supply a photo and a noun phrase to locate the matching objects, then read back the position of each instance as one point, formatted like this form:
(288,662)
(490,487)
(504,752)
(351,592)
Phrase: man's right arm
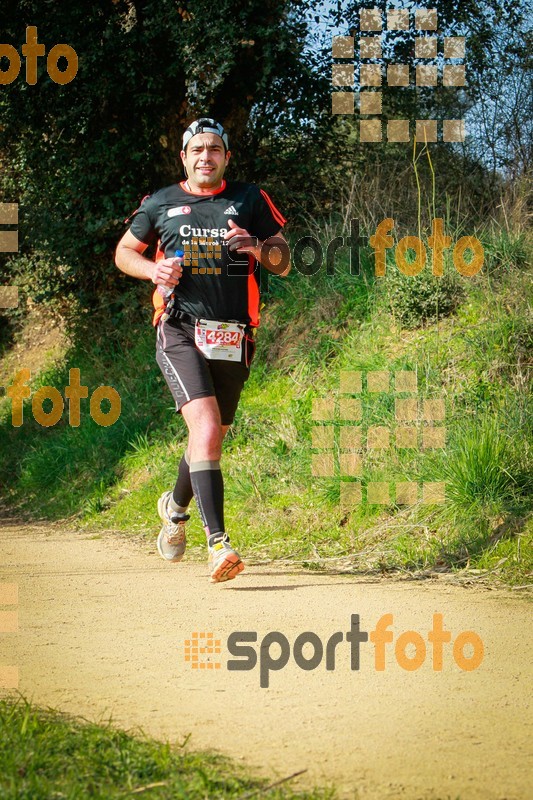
(129,258)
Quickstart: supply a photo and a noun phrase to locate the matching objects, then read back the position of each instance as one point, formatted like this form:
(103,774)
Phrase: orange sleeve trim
(278,216)
(253,294)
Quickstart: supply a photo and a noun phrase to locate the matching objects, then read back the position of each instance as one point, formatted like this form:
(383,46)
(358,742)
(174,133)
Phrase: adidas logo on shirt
(231,210)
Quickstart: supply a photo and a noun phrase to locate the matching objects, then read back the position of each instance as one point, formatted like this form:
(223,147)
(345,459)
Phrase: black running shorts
(190,375)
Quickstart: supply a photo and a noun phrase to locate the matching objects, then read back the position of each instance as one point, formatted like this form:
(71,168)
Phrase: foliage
(78,158)
(47,754)
(420,299)
(486,474)
(481,23)
(313,326)
(506,251)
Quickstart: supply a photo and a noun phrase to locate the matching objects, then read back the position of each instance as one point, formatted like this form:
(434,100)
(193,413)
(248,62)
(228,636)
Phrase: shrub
(421,299)
(486,471)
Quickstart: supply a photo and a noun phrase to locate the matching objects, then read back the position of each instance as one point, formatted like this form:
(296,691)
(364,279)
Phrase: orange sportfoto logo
(32,50)
(409,650)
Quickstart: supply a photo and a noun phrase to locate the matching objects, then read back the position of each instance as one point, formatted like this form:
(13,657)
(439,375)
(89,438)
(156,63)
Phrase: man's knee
(208,435)
(205,430)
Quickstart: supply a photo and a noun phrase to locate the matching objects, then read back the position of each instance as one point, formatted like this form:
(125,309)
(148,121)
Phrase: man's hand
(129,258)
(167,272)
(240,240)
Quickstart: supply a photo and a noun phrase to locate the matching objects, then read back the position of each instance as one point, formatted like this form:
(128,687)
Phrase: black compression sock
(183,493)
(208,486)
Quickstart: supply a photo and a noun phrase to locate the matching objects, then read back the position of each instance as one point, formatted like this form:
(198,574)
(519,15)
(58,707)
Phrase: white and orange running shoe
(171,541)
(224,562)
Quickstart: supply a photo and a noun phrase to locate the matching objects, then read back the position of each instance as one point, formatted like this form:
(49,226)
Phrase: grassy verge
(45,754)
(467,339)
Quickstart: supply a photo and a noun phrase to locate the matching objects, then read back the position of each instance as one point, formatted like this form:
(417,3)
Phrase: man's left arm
(273,253)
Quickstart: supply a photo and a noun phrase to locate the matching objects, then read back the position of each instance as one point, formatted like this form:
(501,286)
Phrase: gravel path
(103,626)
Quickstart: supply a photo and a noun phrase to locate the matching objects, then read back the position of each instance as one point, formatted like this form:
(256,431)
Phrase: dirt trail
(102,627)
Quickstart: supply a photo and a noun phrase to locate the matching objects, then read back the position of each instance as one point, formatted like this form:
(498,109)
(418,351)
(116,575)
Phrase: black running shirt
(216,283)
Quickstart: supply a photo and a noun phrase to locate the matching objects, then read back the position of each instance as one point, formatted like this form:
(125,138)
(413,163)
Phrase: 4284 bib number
(223,337)
(220,341)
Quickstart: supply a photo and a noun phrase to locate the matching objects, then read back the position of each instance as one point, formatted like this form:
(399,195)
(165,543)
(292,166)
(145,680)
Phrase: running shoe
(171,540)
(224,562)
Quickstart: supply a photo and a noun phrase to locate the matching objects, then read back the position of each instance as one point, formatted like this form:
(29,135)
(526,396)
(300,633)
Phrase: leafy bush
(420,299)
(77,158)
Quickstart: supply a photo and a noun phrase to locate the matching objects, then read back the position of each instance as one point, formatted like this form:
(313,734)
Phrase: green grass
(46,755)
(485,472)
(477,359)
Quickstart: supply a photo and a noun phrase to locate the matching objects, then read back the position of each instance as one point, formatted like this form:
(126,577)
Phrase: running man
(205,329)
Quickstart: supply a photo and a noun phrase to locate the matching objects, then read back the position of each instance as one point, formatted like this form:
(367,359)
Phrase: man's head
(205,153)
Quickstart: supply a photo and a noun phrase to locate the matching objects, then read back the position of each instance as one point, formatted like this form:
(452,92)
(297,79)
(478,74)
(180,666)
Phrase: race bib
(219,341)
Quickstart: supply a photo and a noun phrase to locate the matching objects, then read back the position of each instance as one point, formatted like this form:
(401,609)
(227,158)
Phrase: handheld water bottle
(166,291)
